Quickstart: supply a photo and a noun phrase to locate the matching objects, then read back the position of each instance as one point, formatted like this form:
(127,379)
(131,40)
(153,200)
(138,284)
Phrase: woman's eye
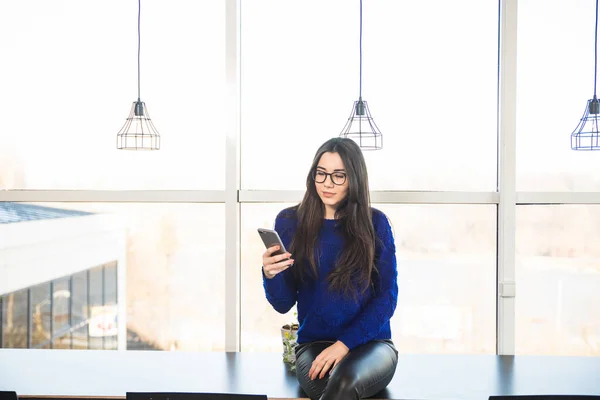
(320,173)
(340,176)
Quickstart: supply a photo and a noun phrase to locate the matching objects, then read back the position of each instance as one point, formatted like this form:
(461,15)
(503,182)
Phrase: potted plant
(289,334)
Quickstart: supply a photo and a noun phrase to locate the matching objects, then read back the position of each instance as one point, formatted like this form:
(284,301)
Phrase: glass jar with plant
(289,334)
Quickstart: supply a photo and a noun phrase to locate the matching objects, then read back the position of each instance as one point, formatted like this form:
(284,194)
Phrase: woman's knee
(364,372)
(343,384)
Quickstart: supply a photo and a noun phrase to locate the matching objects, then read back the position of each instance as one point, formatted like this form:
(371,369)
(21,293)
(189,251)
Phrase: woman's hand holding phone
(274,264)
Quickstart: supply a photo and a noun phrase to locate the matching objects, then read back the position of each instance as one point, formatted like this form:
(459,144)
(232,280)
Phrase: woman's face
(331,181)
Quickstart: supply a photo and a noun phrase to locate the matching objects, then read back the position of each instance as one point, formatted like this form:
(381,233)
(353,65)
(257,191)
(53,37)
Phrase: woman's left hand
(327,360)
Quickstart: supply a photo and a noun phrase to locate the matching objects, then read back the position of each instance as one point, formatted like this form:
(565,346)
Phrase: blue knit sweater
(325,315)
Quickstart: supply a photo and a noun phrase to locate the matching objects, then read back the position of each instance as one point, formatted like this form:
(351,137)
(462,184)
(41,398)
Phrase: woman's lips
(328,194)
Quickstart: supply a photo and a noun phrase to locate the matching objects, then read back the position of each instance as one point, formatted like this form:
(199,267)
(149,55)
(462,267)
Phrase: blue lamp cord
(595,50)
(360,53)
(139,13)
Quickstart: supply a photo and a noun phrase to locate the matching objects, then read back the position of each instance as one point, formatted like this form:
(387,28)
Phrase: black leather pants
(362,373)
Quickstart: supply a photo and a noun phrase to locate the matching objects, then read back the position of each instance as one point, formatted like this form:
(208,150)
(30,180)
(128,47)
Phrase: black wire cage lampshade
(138,132)
(360,126)
(586,135)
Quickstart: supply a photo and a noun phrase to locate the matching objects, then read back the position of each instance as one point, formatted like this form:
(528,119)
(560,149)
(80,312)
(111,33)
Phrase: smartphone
(271,238)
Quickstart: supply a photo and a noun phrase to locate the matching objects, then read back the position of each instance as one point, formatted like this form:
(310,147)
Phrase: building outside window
(61,288)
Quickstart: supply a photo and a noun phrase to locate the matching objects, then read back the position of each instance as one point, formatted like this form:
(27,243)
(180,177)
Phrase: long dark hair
(355,265)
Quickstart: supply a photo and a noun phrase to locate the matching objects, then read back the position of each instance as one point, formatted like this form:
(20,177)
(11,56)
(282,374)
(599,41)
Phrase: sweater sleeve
(380,308)
(281,290)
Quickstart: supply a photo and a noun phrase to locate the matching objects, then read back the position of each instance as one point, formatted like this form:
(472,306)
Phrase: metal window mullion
(232,177)
(506,217)
(547,198)
(378,197)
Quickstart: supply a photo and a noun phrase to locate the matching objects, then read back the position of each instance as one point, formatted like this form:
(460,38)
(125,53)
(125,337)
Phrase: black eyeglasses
(338,178)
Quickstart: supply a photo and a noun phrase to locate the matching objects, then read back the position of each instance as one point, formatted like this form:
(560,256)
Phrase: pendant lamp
(586,136)
(138,132)
(360,125)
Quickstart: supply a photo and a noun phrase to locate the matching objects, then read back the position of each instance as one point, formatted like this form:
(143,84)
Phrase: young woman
(341,270)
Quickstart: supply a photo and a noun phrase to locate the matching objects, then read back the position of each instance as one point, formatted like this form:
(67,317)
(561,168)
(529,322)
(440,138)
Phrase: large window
(169,257)
(446,279)
(260,322)
(555,79)
(71,81)
(429,77)
(112,256)
(558,280)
